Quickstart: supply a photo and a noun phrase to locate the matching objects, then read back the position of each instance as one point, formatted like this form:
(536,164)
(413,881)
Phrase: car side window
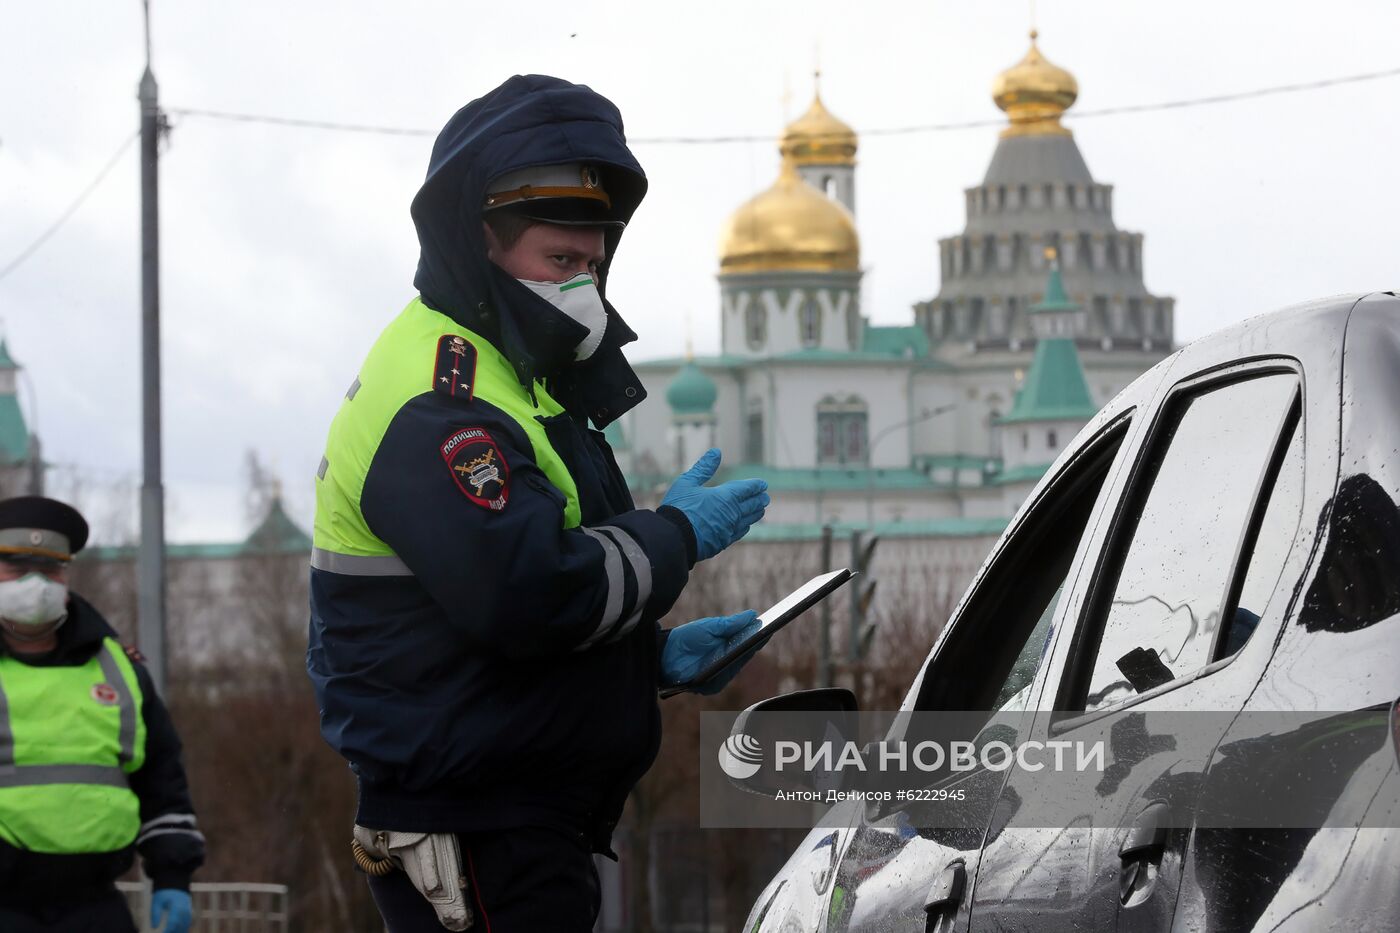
(998,642)
(1276,535)
(1207,470)
(1013,693)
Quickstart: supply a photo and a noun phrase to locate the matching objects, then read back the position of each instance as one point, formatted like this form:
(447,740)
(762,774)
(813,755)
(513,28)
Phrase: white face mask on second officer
(32,606)
(38,537)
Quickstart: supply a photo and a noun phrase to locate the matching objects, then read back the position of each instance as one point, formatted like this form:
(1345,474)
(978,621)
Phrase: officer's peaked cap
(36,526)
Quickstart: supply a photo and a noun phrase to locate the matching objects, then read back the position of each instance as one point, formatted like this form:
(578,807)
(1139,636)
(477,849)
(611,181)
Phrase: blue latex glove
(719,515)
(691,647)
(173,906)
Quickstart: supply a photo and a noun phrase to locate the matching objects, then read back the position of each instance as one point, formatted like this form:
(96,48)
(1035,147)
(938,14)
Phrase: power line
(679,140)
(293,121)
(1271,91)
(71,210)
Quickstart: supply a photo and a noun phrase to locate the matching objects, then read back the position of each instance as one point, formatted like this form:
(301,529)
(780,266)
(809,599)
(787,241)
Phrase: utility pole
(862,630)
(151,594)
(824,658)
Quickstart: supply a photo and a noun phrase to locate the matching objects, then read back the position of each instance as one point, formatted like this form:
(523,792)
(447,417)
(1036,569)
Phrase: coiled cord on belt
(369,864)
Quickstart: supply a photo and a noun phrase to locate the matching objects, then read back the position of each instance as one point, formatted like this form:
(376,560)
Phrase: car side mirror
(819,700)
(827,714)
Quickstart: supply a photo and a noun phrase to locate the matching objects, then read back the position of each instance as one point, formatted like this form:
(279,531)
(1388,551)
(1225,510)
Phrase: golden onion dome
(818,138)
(790,227)
(1034,93)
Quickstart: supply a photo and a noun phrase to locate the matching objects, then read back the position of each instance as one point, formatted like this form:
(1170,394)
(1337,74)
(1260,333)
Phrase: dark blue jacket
(465,675)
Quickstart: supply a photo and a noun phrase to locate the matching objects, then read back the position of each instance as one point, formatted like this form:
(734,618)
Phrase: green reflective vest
(69,736)
(399,368)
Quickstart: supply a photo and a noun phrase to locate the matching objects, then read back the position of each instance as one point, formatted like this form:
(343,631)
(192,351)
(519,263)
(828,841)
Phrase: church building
(935,428)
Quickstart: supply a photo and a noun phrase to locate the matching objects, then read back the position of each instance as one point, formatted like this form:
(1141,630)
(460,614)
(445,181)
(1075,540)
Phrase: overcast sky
(286,250)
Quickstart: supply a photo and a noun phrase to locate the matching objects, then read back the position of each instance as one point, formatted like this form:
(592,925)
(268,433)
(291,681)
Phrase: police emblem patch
(454,369)
(477,467)
(105,694)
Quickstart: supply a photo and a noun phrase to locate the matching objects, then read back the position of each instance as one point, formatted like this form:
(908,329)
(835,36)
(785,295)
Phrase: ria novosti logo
(740,756)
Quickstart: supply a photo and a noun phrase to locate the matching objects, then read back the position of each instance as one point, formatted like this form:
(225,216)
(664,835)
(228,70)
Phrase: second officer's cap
(39,528)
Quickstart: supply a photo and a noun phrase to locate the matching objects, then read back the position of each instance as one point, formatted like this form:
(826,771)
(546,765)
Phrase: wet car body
(1283,432)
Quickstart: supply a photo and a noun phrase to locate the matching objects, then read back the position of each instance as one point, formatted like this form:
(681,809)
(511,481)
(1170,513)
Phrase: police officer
(484,593)
(89,760)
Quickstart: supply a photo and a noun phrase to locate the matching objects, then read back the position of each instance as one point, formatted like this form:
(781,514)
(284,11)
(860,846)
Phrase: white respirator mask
(32,606)
(578,298)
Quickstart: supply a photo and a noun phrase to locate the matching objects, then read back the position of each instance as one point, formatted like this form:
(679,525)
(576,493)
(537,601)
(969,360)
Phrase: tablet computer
(784,611)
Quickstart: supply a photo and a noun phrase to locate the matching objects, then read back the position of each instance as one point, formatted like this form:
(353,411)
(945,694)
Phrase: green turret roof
(899,340)
(277,533)
(1055,388)
(691,392)
(615,436)
(14,434)
(1055,298)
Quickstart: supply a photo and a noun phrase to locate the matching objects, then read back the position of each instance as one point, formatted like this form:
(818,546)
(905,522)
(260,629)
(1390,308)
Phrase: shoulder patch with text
(477,467)
(454,368)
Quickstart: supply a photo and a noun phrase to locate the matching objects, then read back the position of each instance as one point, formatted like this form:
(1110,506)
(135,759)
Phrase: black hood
(529,120)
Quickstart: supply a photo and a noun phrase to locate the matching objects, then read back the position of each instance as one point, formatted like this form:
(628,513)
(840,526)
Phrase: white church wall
(732,337)
(939,434)
(1036,442)
(991,502)
(799,390)
(781,311)
(647,426)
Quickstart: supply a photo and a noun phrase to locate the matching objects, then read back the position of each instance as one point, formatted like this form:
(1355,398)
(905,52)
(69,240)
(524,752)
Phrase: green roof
(1022,474)
(1055,389)
(882,357)
(819,479)
(907,341)
(277,533)
(222,550)
(6,361)
(927,528)
(14,436)
(722,361)
(615,437)
(691,392)
(958,462)
(831,478)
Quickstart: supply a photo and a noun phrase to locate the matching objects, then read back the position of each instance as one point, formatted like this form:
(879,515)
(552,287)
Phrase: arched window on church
(829,186)
(809,322)
(756,324)
(841,431)
(753,432)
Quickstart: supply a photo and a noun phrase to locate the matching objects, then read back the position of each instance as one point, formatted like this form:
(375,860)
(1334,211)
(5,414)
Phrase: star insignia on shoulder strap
(454,369)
